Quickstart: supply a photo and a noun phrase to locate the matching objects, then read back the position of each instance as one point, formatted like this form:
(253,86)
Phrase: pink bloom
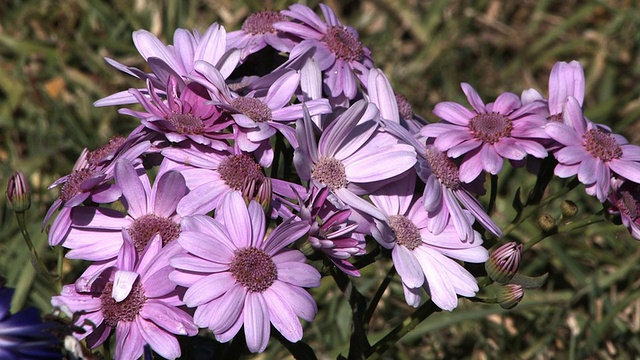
(338,51)
(489,134)
(625,200)
(423,259)
(235,277)
(591,152)
(257,32)
(96,231)
(135,297)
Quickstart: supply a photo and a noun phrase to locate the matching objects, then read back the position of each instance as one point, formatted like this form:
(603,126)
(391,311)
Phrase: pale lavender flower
(592,152)
(625,202)
(444,194)
(423,259)
(351,157)
(338,51)
(96,231)
(565,80)
(332,231)
(182,116)
(257,32)
(491,133)
(235,277)
(259,114)
(135,297)
(393,107)
(175,60)
(91,178)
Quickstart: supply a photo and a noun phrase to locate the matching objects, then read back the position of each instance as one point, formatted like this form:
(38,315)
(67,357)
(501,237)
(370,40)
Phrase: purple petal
(170,189)
(473,98)
(298,274)
(283,317)
(408,266)
(453,113)
(169,318)
(165,344)
(256,322)
(492,162)
(234,215)
(132,188)
(208,288)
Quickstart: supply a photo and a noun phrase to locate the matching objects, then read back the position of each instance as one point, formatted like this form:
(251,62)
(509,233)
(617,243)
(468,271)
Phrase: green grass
(51,71)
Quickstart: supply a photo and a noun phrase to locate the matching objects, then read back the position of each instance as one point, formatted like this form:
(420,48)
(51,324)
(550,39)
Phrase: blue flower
(24,335)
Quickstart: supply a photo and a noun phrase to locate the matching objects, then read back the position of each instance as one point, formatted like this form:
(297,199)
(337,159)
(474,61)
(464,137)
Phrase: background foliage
(51,71)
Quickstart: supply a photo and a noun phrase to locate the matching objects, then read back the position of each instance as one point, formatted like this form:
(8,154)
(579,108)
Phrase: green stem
(379,348)
(528,211)
(494,194)
(33,254)
(565,228)
(368,314)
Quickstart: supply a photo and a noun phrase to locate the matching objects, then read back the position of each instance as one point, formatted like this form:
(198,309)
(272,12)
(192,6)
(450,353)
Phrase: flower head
(625,201)
(18,194)
(257,32)
(235,277)
(504,262)
(592,152)
(337,48)
(135,298)
(491,133)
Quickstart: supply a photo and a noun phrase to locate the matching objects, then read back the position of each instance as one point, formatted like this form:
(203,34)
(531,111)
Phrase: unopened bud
(510,295)
(260,191)
(18,194)
(546,222)
(504,262)
(569,208)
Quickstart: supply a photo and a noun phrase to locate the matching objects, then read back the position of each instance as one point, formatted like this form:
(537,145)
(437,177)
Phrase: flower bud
(546,222)
(569,208)
(18,194)
(504,262)
(510,295)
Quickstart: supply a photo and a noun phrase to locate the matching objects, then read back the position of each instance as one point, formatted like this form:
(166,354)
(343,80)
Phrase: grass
(52,70)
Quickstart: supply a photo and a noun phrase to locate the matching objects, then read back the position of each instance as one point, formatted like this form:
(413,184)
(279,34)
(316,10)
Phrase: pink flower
(235,277)
(491,133)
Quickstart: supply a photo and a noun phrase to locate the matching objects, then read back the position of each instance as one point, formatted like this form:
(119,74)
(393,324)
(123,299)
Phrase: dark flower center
(146,227)
(186,124)
(125,310)
(253,108)
(628,204)
(330,172)
(262,22)
(490,127)
(404,108)
(407,233)
(343,43)
(72,186)
(601,145)
(238,170)
(443,168)
(254,269)
(96,156)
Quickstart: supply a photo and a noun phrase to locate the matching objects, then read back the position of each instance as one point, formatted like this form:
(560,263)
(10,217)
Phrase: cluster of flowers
(174,217)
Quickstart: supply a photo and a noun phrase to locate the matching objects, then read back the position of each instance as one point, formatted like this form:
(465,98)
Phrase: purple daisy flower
(257,32)
(175,60)
(444,194)
(96,231)
(91,178)
(332,231)
(23,335)
(338,51)
(235,277)
(181,116)
(592,152)
(347,157)
(423,259)
(491,133)
(135,297)
(258,115)
(625,202)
